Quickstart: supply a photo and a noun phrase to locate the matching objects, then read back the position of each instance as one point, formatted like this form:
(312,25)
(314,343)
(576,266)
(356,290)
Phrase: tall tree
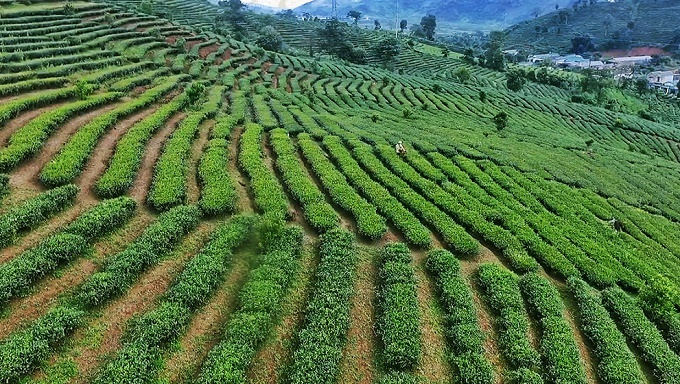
(270,39)
(387,49)
(607,22)
(403,25)
(356,15)
(376,25)
(429,23)
(493,57)
(233,14)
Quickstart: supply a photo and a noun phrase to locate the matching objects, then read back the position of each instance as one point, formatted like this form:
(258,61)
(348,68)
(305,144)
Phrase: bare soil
(359,355)
(246,203)
(139,299)
(140,187)
(46,293)
(193,184)
(276,353)
(207,326)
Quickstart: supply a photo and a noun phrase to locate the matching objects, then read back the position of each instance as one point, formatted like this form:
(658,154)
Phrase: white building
(631,60)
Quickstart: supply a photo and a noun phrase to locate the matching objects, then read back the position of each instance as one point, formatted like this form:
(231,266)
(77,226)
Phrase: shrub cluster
(20,352)
(327,317)
(145,251)
(259,305)
(30,138)
(616,362)
(126,160)
(318,213)
(68,163)
(562,362)
(14,107)
(269,195)
(17,275)
(369,222)
(148,335)
(398,314)
(218,191)
(501,290)
(455,236)
(414,232)
(169,185)
(642,333)
(34,211)
(462,329)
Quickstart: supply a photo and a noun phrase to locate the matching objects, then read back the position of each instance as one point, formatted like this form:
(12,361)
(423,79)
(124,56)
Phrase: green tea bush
(562,362)
(18,274)
(320,215)
(502,293)
(259,305)
(462,329)
(21,351)
(398,314)
(642,333)
(327,316)
(369,222)
(218,191)
(30,138)
(269,195)
(123,268)
(127,158)
(34,212)
(148,335)
(414,232)
(617,363)
(169,188)
(68,163)
(103,218)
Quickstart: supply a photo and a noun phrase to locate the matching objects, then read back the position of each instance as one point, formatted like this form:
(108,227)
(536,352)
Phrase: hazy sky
(283,4)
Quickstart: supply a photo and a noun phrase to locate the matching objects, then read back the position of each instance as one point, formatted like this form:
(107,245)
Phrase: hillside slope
(653,24)
(504,11)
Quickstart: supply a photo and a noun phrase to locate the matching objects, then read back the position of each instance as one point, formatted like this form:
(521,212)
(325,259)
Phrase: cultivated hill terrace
(181,207)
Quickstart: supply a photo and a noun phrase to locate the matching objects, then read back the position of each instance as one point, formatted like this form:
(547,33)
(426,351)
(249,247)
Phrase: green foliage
(34,212)
(30,138)
(515,80)
(270,39)
(269,195)
(17,275)
(218,190)
(562,362)
(68,163)
(387,49)
(102,218)
(414,232)
(429,24)
(259,305)
(617,363)
(123,268)
(149,334)
(168,188)
(127,158)
(493,56)
(398,315)
(501,290)
(20,352)
(318,213)
(501,120)
(369,222)
(462,329)
(84,89)
(327,316)
(642,333)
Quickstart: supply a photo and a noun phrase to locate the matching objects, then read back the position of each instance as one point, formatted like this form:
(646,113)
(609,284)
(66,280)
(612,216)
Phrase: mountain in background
(611,26)
(498,12)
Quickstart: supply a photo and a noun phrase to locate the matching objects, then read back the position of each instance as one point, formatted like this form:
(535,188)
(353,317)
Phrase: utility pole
(396,22)
(335,10)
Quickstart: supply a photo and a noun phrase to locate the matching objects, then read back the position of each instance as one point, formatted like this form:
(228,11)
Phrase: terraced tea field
(179,207)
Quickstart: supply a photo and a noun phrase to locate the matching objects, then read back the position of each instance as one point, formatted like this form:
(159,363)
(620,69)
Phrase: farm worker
(400,148)
(615,224)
